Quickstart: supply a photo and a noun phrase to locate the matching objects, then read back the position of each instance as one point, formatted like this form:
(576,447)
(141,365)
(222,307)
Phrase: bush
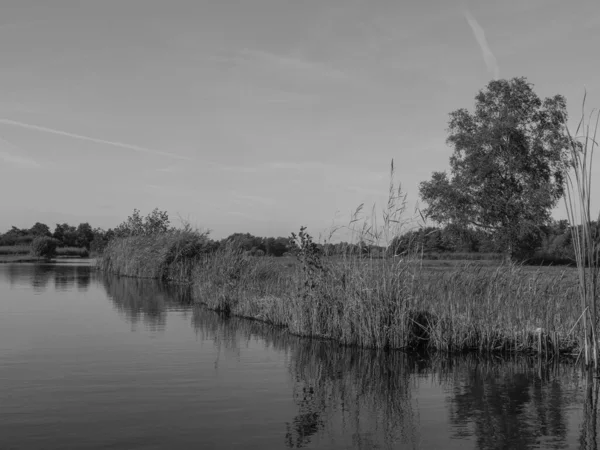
(43,246)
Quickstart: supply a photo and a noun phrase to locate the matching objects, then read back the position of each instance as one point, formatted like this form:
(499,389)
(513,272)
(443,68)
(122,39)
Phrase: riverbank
(20,259)
(374,303)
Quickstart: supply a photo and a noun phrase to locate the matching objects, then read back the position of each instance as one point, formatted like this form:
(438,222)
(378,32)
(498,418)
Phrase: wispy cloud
(241,214)
(290,165)
(135,148)
(255,199)
(296,64)
(16,159)
(488,56)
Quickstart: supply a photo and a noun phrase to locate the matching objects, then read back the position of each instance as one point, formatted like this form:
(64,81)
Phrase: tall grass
(585,242)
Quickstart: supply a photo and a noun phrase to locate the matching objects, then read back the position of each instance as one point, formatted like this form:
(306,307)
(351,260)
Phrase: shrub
(43,246)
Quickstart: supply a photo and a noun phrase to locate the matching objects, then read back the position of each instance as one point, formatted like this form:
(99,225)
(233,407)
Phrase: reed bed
(383,304)
(389,303)
(168,256)
(396,305)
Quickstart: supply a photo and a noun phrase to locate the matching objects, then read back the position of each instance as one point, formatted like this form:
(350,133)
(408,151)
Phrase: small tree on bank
(507,171)
(44,247)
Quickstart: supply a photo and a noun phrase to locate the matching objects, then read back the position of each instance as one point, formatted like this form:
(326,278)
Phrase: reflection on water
(216,382)
(63,276)
(519,403)
(145,300)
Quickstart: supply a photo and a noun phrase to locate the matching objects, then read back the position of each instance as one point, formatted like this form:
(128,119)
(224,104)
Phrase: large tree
(507,170)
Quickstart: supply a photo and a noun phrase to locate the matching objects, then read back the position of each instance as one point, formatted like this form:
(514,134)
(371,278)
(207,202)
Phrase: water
(95,362)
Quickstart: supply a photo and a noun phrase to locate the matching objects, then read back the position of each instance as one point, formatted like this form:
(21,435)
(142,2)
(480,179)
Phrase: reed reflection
(589,427)
(145,301)
(520,403)
(368,392)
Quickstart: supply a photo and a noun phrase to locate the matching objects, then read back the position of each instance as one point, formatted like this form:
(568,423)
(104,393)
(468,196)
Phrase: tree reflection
(64,277)
(513,404)
(39,275)
(144,300)
(42,273)
(83,275)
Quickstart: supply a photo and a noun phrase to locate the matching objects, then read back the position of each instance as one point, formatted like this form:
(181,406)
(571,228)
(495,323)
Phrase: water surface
(89,361)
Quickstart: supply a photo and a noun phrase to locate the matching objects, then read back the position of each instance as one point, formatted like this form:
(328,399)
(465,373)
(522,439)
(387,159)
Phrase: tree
(155,222)
(44,246)
(85,235)
(66,235)
(508,167)
(40,229)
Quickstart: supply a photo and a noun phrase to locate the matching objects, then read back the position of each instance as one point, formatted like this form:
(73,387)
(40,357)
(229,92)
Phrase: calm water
(95,362)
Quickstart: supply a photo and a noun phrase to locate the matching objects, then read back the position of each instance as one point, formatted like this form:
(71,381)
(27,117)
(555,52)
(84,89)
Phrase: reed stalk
(583,231)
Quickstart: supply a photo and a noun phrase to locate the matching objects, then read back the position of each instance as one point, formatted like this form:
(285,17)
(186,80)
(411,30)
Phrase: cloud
(307,165)
(266,201)
(18,160)
(488,56)
(135,148)
(297,65)
(241,214)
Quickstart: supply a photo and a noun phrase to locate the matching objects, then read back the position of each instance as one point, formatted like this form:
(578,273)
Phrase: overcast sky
(257,115)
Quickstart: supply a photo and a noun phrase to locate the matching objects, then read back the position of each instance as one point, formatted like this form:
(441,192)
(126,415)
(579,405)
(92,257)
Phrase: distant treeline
(553,243)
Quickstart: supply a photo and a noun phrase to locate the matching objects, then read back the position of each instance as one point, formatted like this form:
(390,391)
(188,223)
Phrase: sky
(258,115)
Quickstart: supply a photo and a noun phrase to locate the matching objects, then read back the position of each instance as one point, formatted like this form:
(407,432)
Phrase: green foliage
(507,171)
(40,229)
(155,222)
(44,247)
(85,235)
(66,234)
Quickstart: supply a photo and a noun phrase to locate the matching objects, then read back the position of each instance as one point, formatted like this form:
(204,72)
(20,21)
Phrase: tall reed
(584,234)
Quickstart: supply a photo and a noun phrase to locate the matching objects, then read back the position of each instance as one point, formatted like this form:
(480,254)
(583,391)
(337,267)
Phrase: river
(89,361)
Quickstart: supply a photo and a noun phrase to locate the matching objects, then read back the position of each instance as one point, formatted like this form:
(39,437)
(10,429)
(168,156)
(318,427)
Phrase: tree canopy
(508,167)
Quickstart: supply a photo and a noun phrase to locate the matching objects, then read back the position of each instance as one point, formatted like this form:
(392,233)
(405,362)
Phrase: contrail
(488,56)
(135,148)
